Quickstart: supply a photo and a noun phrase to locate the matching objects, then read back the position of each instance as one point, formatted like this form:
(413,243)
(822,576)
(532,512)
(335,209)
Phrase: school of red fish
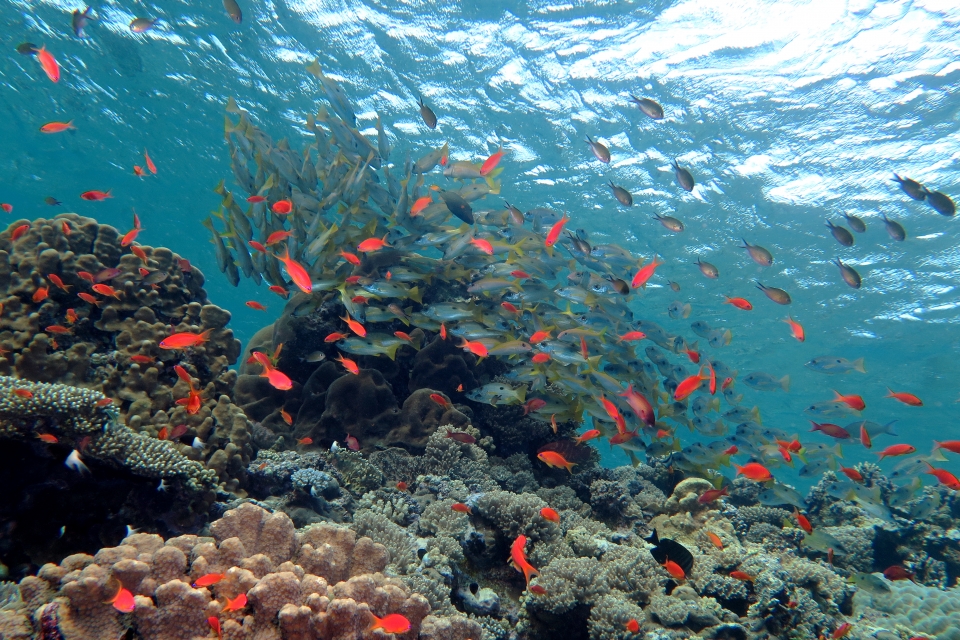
(339,220)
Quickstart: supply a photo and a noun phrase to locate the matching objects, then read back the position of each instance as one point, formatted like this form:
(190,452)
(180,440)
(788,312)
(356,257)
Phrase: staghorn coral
(322,582)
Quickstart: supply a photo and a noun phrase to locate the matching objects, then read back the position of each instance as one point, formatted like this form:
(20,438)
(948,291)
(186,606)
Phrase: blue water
(787,113)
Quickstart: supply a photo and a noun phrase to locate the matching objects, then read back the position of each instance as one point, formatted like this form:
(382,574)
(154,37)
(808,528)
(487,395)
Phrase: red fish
(851,473)
(523,275)
(832,430)
(440,400)
(336,336)
(491,162)
(55,279)
(622,434)
(348,364)
(23,393)
(49,65)
(483,245)
(138,171)
(393,623)
(280,291)
(710,495)
(739,303)
(946,478)
(297,273)
(443,331)
(6,206)
(350,257)
(865,436)
(140,253)
(715,540)
(130,236)
(355,326)
(253,304)
(460,436)
(632,336)
(41,294)
(401,486)
(644,274)
(106,290)
(688,386)
(236,604)
(56,127)
(123,601)
(420,205)
(675,570)
(214,623)
(841,631)
(953,446)
(853,401)
(802,521)
(461,508)
(277,379)
(509,307)
(277,237)
(86,275)
(555,459)
(95,196)
(56,328)
(476,347)
(533,404)
(550,514)
(905,398)
(555,230)
(65,227)
(286,417)
(149,161)
(256,199)
(86,297)
(403,336)
(897,450)
(184,340)
(518,558)
(587,435)
(19,231)
(633,626)
(897,572)
(537,589)
(732,451)
(540,358)
(209,579)
(49,438)
(107,274)
(539,337)
(754,471)
(372,244)
(282,207)
(640,406)
(71,316)
(352,443)
(305,441)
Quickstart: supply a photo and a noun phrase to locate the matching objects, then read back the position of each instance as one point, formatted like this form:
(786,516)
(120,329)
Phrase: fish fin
(727,336)
(785,382)
(937,455)
(232,106)
(858,365)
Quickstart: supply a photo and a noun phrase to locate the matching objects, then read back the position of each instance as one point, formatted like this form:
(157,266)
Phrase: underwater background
(787,114)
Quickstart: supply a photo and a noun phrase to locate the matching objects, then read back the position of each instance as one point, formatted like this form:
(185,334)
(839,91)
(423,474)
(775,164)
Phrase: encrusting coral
(321,582)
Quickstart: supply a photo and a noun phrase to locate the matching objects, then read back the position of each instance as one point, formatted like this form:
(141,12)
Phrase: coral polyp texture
(320,582)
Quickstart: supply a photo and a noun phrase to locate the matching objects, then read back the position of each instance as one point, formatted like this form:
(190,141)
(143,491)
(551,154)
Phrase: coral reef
(320,582)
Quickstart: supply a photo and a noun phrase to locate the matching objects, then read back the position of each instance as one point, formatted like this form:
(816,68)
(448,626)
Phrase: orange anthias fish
(644,274)
(587,435)
(286,416)
(796,329)
(95,196)
(372,244)
(282,207)
(632,336)
(209,579)
(633,626)
(131,235)
(123,601)
(277,379)
(483,245)
(256,245)
(214,623)
(640,406)
(56,127)
(540,358)
(352,258)
(754,471)
(853,401)
(550,514)
(905,398)
(184,340)
(49,438)
(539,337)
(138,171)
(688,386)
(149,162)
(72,316)
(713,380)
(459,507)
(236,604)
(555,231)
(852,473)
(802,521)
(555,459)
(297,273)
(106,290)
(305,441)
(19,231)
(741,575)
(253,304)
(739,303)
(518,559)
(280,291)
(715,540)
(393,623)
(953,446)
(491,162)
(946,478)
(477,348)
(50,66)
(710,495)
(55,279)
(277,237)
(348,364)
(674,569)
(355,326)
(897,450)
(865,436)
(41,294)
(420,205)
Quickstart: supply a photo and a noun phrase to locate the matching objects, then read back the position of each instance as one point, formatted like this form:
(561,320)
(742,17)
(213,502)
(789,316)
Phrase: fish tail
(858,365)
(785,382)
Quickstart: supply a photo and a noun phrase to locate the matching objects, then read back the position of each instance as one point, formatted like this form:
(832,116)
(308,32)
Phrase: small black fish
(911,187)
(27,49)
(856,224)
(849,274)
(53,202)
(684,177)
(941,203)
(777,295)
(648,106)
(233,10)
(429,117)
(842,236)
(622,195)
(894,229)
(600,151)
(666,549)
(457,206)
(79,21)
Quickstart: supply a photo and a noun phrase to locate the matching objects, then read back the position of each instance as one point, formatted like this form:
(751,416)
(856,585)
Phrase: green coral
(73,414)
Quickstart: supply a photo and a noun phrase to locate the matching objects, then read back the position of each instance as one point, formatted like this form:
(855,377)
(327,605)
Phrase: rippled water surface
(786,113)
